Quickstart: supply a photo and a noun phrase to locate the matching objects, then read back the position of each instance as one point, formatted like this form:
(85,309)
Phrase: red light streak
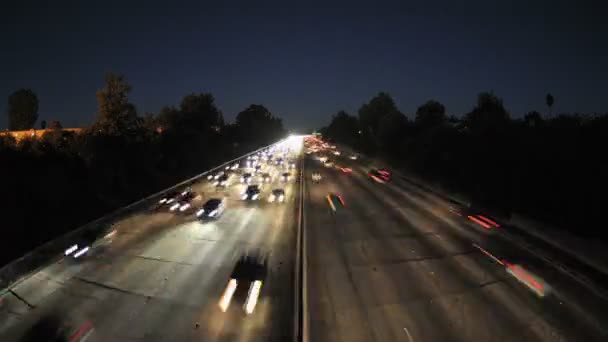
(81,331)
(480,222)
(492,222)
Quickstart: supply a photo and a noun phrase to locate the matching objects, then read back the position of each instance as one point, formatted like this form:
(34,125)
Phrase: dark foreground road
(163,274)
(396,264)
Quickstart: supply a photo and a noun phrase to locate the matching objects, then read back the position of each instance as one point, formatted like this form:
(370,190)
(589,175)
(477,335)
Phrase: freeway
(396,263)
(160,275)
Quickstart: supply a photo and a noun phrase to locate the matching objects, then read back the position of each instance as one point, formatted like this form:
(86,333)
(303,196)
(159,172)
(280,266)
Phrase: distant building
(36,133)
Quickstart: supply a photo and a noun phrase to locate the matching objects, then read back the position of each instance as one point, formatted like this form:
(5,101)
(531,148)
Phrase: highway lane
(161,277)
(396,266)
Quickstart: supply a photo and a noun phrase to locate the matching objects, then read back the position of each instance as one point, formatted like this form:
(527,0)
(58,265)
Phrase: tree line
(550,167)
(64,179)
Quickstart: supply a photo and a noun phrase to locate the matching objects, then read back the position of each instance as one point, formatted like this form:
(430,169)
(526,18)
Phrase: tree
(392,129)
(370,114)
(488,115)
(343,128)
(43,124)
(257,124)
(200,112)
(22,110)
(55,124)
(116,113)
(533,119)
(549,101)
(430,114)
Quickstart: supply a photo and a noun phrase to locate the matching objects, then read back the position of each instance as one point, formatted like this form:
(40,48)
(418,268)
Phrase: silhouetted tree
(116,114)
(533,119)
(199,112)
(343,128)
(392,130)
(549,101)
(256,124)
(22,110)
(43,124)
(370,114)
(55,124)
(488,115)
(430,114)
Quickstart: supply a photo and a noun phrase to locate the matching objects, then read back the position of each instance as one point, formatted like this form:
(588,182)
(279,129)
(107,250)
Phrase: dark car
(222,181)
(213,208)
(246,178)
(252,193)
(169,197)
(285,177)
(183,202)
(277,195)
(245,283)
(265,177)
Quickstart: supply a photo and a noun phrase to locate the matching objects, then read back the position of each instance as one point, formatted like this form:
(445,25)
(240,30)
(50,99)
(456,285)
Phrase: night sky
(306,62)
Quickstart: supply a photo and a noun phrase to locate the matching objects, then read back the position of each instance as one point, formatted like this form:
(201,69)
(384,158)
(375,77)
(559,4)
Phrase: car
(353,157)
(183,202)
(252,193)
(328,163)
(258,168)
(215,175)
(213,208)
(337,153)
(265,178)
(246,178)
(222,182)
(277,195)
(234,166)
(322,159)
(335,201)
(316,177)
(285,176)
(169,197)
(245,284)
(379,175)
(347,170)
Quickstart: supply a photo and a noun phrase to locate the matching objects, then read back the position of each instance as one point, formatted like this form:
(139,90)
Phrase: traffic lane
(189,263)
(587,307)
(374,245)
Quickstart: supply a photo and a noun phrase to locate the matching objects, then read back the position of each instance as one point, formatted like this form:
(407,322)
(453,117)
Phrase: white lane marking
(409,337)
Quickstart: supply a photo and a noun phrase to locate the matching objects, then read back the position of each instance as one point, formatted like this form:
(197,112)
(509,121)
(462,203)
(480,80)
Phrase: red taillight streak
(341,200)
(81,331)
(528,278)
(480,222)
(492,222)
(490,255)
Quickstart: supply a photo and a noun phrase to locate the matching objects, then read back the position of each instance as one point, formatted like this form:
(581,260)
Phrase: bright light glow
(173,207)
(255,197)
(81,252)
(213,213)
(163,200)
(281,198)
(376,179)
(227,296)
(184,207)
(331,204)
(110,234)
(71,250)
(252,297)
(200,212)
(271,198)
(244,197)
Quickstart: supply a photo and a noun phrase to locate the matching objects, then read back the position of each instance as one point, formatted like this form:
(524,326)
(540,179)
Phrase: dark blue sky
(306,62)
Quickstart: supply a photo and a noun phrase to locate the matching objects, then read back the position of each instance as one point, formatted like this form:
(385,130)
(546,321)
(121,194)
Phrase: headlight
(213,213)
(171,200)
(200,212)
(244,197)
(163,200)
(255,196)
(281,198)
(71,250)
(184,207)
(271,198)
(175,206)
(81,252)
(252,297)
(242,179)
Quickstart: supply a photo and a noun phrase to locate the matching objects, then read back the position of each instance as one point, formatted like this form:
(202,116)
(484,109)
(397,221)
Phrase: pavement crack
(109,287)
(21,299)
(163,260)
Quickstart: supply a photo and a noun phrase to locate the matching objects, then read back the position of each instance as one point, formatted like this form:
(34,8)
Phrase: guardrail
(52,251)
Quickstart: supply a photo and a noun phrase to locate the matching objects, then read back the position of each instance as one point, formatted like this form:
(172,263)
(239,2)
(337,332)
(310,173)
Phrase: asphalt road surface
(162,275)
(399,264)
